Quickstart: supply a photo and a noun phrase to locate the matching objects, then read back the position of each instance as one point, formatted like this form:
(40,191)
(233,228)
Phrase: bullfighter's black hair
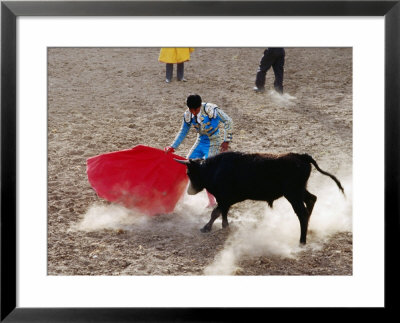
(193,101)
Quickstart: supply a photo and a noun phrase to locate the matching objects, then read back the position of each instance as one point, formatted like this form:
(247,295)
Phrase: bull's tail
(312,161)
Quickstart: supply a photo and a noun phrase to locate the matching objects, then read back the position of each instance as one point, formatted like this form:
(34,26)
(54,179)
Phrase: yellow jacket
(175,55)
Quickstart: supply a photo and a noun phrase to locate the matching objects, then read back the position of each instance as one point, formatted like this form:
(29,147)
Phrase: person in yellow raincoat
(177,56)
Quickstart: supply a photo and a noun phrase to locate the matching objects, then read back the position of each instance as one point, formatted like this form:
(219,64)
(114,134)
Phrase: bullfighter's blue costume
(206,124)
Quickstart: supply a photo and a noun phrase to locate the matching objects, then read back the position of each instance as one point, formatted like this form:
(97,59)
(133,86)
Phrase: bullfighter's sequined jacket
(206,124)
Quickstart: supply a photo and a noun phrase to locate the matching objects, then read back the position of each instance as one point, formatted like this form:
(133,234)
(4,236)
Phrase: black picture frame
(11,10)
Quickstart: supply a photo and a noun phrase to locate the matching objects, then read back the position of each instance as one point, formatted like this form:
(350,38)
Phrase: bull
(233,177)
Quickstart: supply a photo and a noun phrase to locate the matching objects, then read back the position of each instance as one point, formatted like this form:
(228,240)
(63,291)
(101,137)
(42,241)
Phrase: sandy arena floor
(108,99)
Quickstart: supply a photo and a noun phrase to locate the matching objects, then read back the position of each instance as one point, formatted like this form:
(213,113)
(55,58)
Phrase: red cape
(143,178)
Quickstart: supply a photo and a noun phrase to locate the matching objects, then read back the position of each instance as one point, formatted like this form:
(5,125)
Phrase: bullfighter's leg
(211,200)
(309,200)
(303,215)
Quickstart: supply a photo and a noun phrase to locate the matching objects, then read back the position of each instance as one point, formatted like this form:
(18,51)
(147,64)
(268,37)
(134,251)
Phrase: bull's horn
(184,162)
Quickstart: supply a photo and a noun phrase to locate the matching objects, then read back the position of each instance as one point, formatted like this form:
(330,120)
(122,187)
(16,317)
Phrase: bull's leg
(224,212)
(310,200)
(303,215)
(214,214)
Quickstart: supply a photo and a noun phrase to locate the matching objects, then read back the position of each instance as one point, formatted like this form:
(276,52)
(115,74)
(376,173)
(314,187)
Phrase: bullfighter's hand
(169,149)
(224,146)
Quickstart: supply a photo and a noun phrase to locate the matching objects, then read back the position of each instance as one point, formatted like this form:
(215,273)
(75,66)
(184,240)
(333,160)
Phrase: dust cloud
(109,217)
(190,213)
(281,100)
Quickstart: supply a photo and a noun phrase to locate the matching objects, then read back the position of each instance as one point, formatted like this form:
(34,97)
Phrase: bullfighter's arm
(228,124)
(181,135)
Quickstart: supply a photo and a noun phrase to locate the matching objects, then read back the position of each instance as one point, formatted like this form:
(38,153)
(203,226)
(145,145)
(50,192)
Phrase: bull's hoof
(205,229)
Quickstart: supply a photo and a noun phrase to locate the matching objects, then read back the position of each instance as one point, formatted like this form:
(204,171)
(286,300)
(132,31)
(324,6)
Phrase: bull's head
(194,172)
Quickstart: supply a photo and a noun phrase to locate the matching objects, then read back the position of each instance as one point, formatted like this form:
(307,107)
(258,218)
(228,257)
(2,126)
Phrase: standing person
(275,57)
(177,56)
(205,118)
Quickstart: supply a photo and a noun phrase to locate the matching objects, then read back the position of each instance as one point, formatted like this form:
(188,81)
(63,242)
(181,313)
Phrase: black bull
(233,177)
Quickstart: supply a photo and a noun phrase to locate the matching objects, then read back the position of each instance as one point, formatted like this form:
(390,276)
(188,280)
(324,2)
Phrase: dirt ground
(108,99)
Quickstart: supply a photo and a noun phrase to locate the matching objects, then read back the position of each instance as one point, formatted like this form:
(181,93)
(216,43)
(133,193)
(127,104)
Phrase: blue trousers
(205,147)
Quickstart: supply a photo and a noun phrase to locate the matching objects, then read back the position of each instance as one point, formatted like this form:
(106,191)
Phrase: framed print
(85,83)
